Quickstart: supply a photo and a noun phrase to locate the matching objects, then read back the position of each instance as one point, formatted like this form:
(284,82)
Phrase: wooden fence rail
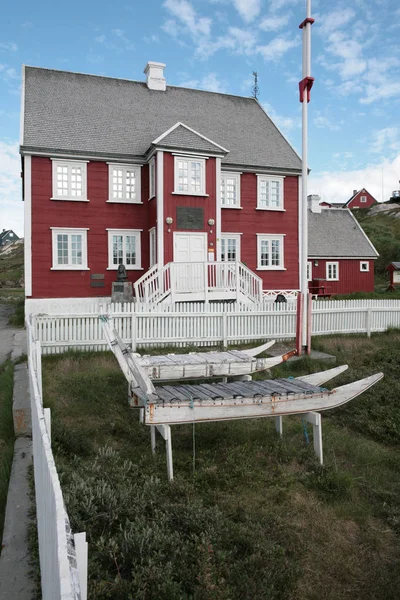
(199,324)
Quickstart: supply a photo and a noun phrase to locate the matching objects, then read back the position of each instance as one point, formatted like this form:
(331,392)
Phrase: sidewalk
(15,583)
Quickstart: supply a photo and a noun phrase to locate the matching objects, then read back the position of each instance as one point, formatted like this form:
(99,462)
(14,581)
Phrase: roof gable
(89,115)
(180,136)
(362,191)
(337,234)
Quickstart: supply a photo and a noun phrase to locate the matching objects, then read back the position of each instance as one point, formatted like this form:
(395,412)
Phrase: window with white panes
(69,180)
(124,183)
(230,190)
(152,178)
(269,192)
(69,248)
(230,247)
(364,266)
(363,198)
(309,270)
(189,176)
(332,271)
(124,248)
(270,252)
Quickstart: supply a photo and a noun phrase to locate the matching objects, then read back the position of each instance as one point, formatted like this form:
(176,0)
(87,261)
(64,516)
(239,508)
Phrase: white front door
(190,250)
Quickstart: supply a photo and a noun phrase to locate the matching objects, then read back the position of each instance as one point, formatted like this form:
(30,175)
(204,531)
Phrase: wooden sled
(194,365)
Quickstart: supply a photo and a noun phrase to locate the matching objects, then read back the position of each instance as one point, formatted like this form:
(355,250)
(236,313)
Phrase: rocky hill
(381,223)
(12,269)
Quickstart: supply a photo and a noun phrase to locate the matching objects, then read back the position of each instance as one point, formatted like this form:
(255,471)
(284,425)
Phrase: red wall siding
(172,201)
(97,214)
(351,279)
(250,221)
(356,202)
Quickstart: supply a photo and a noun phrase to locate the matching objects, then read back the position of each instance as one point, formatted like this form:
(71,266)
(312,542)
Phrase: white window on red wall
(153,246)
(332,271)
(190,176)
(124,183)
(152,178)
(124,248)
(364,266)
(69,180)
(230,190)
(309,270)
(270,252)
(230,247)
(269,192)
(69,249)
(363,198)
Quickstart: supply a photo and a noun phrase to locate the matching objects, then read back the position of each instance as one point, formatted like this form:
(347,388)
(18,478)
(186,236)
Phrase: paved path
(6,332)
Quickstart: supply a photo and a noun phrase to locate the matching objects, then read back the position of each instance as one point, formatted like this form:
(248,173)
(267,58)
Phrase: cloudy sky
(354,134)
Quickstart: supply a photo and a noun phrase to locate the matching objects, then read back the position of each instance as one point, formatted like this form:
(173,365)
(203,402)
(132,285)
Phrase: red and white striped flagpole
(305,85)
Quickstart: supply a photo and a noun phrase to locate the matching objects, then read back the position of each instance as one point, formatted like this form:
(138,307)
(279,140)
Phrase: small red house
(195,192)
(360,199)
(340,255)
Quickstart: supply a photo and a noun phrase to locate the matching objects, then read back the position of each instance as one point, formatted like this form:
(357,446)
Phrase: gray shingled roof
(101,116)
(184,139)
(335,233)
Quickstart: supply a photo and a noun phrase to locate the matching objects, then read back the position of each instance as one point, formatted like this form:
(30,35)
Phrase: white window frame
(232,236)
(152,178)
(152,247)
(270,179)
(125,168)
(69,164)
(55,231)
(236,176)
(363,198)
(125,232)
(334,265)
(271,237)
(309,270)
(189,191)
(366,263)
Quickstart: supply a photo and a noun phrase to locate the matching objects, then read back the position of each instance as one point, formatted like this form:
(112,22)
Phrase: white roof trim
(161,137)
(363,232)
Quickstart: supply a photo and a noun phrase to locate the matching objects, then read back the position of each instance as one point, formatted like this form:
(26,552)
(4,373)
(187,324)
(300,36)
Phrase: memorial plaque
(189,218)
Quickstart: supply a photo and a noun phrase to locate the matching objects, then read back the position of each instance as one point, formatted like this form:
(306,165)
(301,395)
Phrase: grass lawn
(6,434)
(249,515)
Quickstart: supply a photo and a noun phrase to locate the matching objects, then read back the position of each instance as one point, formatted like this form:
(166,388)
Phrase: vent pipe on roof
(314,203)
(155,79)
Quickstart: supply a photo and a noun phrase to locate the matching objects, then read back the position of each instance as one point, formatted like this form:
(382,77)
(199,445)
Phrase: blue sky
(354,134)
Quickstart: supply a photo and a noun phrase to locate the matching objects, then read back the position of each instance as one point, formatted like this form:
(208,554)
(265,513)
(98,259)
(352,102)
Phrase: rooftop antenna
(305,85)
(255,88)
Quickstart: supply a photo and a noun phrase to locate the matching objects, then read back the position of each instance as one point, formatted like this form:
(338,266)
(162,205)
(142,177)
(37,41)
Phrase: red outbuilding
(360,199)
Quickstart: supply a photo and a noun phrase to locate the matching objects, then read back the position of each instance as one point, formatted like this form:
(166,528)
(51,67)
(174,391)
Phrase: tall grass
(6,434)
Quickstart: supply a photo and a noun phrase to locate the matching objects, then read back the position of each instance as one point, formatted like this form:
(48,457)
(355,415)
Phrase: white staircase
(205,281)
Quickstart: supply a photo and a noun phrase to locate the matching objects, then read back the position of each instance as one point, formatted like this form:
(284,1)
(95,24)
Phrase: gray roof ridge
(178,87)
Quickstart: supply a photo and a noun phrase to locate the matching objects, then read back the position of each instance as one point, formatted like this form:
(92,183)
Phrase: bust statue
(121,273)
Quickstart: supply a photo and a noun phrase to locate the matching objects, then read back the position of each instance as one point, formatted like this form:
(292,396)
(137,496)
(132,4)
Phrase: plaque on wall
(189,218)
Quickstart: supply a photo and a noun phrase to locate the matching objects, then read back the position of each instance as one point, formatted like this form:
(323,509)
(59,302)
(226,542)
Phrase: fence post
(368,321)
(134,329)
(224,330)
(81,550)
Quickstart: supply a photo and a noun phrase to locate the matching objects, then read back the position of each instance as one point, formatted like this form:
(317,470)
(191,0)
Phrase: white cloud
(324,123)
(285,124)
(334,20)
(209,82)
(11,205)
(276,48)
(10,46)
(338,186)
(184,13)
(248,9)
(273,23)
(386,140)
(116,40)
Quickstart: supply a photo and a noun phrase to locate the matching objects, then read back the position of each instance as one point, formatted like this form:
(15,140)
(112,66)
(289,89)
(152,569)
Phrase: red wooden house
(341,257)
(360,199)
(195,192)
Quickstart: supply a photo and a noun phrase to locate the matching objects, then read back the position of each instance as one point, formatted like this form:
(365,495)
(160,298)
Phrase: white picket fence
(62,555)
(200,324)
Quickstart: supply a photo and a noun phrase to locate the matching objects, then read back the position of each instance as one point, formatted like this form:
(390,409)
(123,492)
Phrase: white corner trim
(28,224)
(218,213)
(179,124)
(160,207)
(22,116)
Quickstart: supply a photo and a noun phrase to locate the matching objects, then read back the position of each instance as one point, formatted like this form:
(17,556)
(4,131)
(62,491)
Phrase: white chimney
(155,79)
(314,203)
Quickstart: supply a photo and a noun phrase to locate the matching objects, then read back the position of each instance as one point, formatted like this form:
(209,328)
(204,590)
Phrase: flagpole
(305,86)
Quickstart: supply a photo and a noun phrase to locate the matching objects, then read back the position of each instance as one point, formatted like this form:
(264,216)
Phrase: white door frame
(202,233)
